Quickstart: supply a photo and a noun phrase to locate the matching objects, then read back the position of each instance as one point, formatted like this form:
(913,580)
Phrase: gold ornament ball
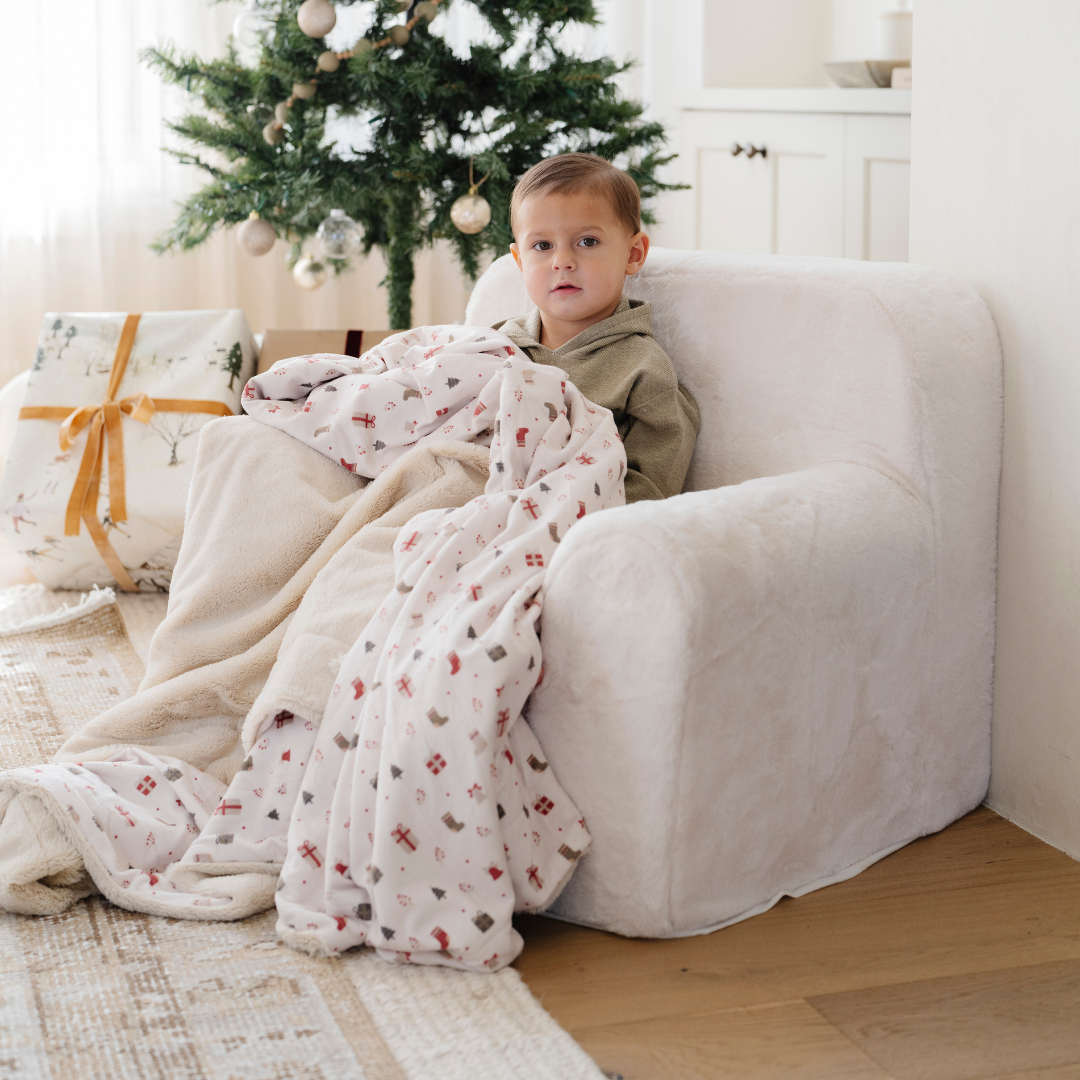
(470,213)
(273,134)
(281,112)
(316,17)
(309,273)
(303,90)
(398,35)
(255,237)
(426,10)
(363,46)
(328,61)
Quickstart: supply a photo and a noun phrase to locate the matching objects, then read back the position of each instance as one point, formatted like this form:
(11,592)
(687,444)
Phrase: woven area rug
(98,991)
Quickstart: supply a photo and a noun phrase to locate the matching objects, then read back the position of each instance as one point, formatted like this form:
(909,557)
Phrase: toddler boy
(576,220)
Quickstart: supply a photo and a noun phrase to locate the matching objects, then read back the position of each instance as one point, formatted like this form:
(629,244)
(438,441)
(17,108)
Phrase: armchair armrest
(743,695)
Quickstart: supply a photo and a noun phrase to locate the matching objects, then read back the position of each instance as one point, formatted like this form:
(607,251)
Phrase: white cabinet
(792,181)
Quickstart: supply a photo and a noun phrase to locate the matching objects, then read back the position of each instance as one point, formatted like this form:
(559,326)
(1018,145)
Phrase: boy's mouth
(565,288)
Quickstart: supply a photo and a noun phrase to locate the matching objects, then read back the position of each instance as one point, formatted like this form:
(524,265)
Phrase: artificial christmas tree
(425,119)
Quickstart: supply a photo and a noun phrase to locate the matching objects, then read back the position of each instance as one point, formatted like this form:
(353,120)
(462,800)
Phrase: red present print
(584,459)
(309,851)
(534,558)
(533,874)
(441,412)
(543,805)
(404,685)
(367,420)
(436,763)
(145,785)
(228,808)
(284,717)
(504,719)
(476,591)
(126,815)
(531,508)
(410,543)
(404,837)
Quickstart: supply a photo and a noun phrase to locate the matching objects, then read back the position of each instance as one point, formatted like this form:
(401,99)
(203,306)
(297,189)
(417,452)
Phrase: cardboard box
(283,344)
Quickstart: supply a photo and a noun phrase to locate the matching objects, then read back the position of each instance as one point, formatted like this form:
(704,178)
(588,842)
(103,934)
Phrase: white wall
(766,43)
(995,199)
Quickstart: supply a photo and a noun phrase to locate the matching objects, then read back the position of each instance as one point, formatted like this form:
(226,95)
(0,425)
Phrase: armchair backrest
(796,362)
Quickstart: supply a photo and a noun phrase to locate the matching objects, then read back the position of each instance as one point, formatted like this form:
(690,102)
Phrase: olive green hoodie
(617,363)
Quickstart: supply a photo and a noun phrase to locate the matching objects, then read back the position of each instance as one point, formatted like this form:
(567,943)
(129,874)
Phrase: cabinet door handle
(753,151)
(736,149)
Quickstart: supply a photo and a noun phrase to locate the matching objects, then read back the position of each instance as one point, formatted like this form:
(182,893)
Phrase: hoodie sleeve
(661,427)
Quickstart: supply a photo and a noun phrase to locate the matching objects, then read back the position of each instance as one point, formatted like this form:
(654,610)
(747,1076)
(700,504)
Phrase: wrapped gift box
(95,481)
(283,344)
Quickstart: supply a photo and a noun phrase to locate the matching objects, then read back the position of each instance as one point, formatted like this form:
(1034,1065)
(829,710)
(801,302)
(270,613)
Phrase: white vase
(894,35)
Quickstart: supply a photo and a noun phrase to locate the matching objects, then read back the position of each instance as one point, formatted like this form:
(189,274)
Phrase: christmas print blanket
(419,813)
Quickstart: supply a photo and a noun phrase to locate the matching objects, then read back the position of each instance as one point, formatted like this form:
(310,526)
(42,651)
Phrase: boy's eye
(589,241)
(542,245)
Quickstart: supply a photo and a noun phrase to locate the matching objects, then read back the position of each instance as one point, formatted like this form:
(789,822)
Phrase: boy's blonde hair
(581,172)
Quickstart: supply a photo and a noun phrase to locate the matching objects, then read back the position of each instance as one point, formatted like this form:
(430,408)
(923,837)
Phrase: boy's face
(575,255)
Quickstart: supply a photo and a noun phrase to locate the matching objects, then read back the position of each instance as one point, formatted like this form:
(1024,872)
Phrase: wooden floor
(956,958)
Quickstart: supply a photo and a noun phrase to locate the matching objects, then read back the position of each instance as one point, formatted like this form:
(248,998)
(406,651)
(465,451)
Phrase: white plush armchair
(765,684)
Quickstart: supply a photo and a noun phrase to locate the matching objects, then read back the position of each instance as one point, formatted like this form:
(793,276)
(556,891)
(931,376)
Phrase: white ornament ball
(328,61)
(470,213)
(303,90)
(282,111)
(273,134)
(339,236)
(255,237)
(316,17)
(398,34)
(309,273)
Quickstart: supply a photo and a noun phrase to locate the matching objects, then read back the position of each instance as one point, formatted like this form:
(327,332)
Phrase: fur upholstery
(801,682)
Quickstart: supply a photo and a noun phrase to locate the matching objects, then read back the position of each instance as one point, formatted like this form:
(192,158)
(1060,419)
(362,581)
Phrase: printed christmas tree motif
(174,428)
(98,356)
(39,359)
(233,363)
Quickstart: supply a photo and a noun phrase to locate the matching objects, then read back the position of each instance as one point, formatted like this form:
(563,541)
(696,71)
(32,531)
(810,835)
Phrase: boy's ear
(517,257)
(639,250)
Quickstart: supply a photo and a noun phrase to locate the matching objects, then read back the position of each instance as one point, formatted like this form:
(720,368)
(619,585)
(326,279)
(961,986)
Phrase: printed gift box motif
(95,484)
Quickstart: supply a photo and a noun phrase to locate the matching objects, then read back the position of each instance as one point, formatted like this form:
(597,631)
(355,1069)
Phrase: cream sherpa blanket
(425,708)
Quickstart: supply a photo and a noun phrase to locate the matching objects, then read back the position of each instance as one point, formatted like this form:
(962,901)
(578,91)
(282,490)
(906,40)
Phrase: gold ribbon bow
(103,422)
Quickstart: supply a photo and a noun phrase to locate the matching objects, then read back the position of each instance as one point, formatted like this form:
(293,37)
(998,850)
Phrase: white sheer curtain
(84,185)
